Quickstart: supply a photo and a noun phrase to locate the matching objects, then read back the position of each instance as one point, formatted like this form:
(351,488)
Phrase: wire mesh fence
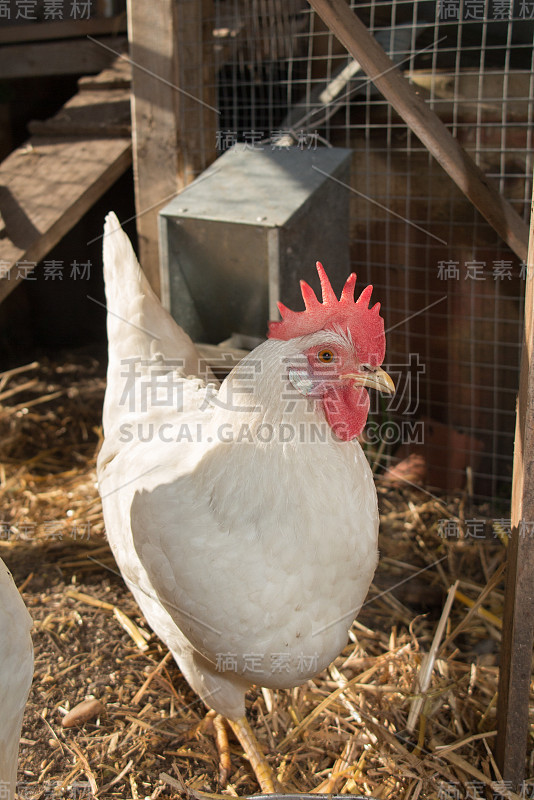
(451,290)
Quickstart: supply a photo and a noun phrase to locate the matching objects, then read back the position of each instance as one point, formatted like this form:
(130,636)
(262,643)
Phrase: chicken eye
(326,356)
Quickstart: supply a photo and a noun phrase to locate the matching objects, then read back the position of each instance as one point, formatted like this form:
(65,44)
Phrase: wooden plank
(518,621)
(57,58)
(45,188)
(62,29)
(118,76)
(424,123)
(173,115)
(89,113)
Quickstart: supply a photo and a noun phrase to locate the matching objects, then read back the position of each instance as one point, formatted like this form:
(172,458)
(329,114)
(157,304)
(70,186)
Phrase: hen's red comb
(365,324)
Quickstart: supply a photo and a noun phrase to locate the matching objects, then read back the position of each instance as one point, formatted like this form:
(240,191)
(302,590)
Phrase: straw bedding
(398,715)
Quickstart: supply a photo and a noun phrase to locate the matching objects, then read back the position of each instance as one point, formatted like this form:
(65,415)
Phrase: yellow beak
(377,379)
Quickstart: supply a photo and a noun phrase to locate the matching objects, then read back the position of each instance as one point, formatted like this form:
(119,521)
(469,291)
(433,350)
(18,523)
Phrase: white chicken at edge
(16,673)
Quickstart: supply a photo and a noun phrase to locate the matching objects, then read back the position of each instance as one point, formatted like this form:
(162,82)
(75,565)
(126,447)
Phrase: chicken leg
(223,747)
(254,753)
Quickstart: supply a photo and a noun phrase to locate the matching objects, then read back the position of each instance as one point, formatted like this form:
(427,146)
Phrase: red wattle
(346,411)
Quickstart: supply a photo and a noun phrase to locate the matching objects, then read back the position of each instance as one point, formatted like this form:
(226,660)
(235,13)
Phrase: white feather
(16,672)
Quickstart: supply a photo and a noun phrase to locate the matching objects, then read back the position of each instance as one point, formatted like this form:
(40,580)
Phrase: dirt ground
(347,731)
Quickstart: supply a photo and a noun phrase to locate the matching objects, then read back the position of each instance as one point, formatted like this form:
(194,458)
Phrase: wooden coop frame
(166,157)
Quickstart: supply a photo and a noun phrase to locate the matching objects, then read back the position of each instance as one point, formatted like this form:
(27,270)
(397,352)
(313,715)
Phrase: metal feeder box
(243,234)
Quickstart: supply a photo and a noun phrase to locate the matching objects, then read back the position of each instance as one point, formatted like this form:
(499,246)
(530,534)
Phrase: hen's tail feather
(137,322)
(139,328)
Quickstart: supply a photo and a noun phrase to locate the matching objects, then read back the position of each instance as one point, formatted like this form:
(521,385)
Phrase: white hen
(16,672)
(245,529)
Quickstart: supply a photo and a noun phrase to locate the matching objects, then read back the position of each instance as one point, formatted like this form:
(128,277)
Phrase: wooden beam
(173,113)
(71,57)
(196,110)
(424,123)
(518,621)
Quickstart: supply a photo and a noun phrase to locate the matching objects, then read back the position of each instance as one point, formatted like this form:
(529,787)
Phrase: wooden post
(426,125)
(518,622)
(174,118)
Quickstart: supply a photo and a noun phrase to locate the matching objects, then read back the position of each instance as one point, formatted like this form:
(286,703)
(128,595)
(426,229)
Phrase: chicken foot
(250,745)
(223,746)
(254,753)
